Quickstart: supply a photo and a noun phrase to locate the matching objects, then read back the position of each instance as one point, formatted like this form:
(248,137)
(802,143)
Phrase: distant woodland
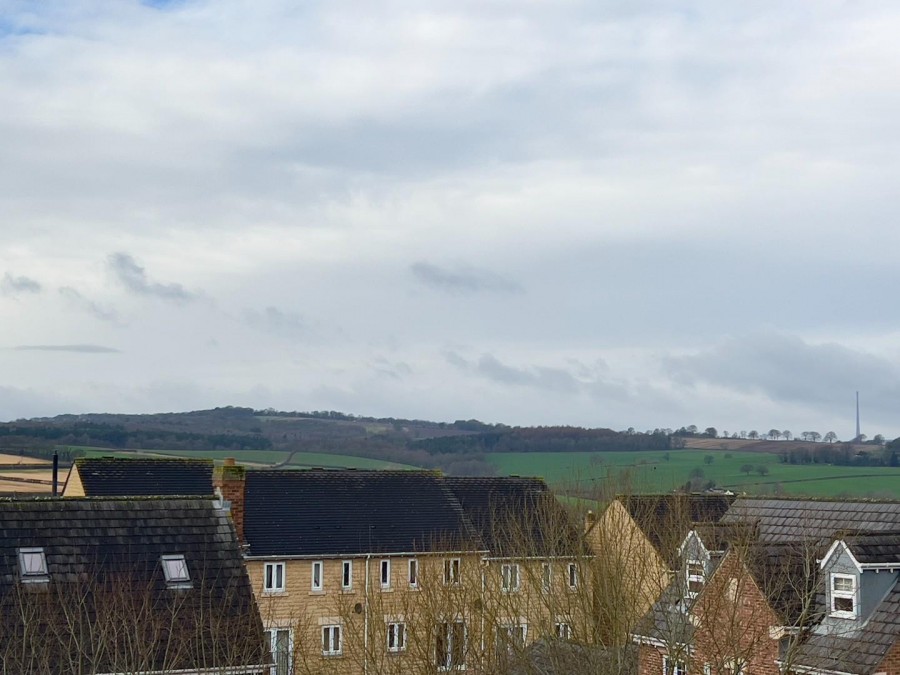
(457,448)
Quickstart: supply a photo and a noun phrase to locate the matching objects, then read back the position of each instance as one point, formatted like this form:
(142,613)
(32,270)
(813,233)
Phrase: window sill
(842,615)
(273,594)
(317,593)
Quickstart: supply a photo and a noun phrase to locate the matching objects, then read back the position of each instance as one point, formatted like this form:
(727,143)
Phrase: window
(734,666)
(413,573)
(671,667)
(331,640)
(274,578)
(562,630)
(510,638)
(546,577)
(347,575)
(282,648)
(450,648)
(843,596)
(573,575)
(33,565)
(175,570)
(695,575)
(396,637)
(510,577)
(451,571)
(385,573)
(317,583)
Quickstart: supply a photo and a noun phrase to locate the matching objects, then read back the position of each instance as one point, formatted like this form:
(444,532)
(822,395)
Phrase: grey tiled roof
(349,512)
(782,520)
(119,477)
(875,548)
(105,575)
(861,651)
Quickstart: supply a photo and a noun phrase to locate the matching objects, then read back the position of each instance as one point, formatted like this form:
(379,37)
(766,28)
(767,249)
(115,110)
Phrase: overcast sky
(612,213)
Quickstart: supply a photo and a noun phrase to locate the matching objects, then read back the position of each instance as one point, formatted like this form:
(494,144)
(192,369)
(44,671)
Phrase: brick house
(125,585)
(775,586)
(404,571)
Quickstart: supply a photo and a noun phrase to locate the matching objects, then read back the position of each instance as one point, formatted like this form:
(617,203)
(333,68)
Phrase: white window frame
(332,640)
(690,578)
(546,577)
(447,628)
(679,669)
(572,576)
(273,644)
(451,571)
(384,570)
(397,635)
(562,630)
(271,571)
(852,595)
(510,577)
(27,571)
(347,575)
(317,569)
(413,573)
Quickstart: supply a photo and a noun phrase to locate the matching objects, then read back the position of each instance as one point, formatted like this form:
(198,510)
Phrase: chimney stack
(230,479)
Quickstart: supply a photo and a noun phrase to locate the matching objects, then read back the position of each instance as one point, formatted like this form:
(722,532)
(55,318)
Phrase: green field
(651,472)
(307,459)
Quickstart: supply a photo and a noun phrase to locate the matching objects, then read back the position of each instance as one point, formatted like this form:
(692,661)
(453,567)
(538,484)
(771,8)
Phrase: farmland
(651,471)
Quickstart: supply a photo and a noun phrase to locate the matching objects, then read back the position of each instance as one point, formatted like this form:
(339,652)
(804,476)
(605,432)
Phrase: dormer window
(843,596)
(695,575)
(175,570)
(33,565)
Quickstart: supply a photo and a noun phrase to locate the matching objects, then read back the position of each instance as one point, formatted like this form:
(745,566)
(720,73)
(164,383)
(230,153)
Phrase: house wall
(734,623)
(364,613)
(73,486)
(891,663)
(629,573)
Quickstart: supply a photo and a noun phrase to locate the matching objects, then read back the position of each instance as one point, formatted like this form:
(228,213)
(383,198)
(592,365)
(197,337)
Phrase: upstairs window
(843,596)
(273,578)
(562,630)
(385,573)
(317,581)
(451,572)
(33,565)
(509,577)
(347,575)
(573,576)
(695,575)
(175,570)
(396,637)
(672,667)
(413,573)
(546,577)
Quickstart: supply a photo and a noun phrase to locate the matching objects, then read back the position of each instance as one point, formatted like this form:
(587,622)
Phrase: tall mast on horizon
(858,433)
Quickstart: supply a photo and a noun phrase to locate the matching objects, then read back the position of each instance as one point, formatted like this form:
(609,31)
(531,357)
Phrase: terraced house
(405,571)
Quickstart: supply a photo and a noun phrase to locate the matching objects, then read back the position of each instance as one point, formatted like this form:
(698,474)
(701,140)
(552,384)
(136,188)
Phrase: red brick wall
(735,619)
(650,660)
(891,662)
(230,480)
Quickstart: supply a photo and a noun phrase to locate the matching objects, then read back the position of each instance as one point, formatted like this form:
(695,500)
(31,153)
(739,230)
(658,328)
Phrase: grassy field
(650,471)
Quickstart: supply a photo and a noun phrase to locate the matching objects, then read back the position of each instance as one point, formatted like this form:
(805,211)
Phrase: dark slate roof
(323,512)
(861,651)
(116,477)
(105,574)
(666,519)
(792,519)
(875,548)
(549,656)
(516,516)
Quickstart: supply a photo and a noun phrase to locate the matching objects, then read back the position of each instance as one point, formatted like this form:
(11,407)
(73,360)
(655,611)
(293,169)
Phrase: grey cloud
(89,306)
(391,369)
(133,277)
(278,322)
(462,279)
(539,377)
(13,285)
(788,369)
(79,349)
